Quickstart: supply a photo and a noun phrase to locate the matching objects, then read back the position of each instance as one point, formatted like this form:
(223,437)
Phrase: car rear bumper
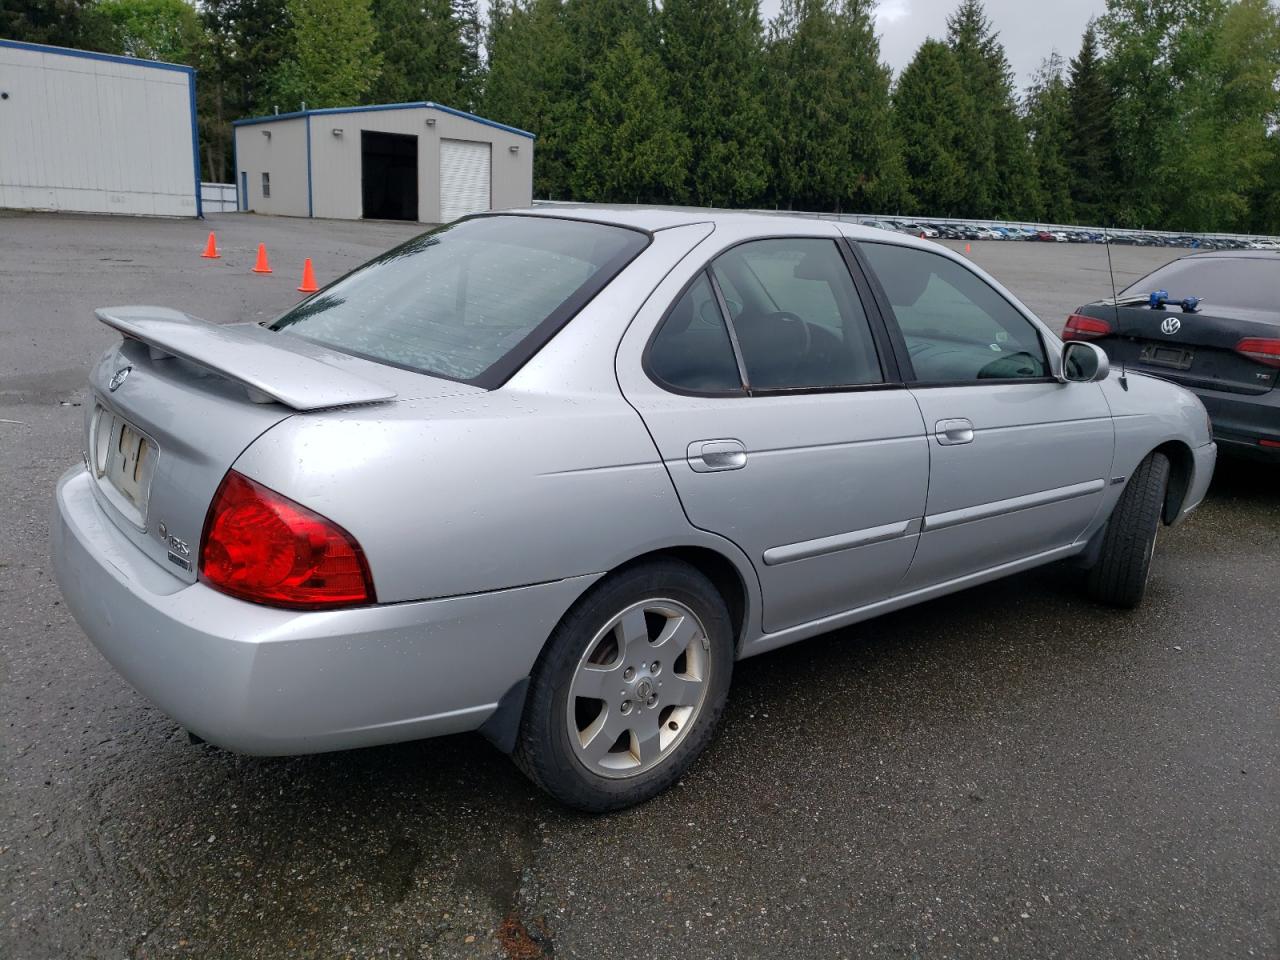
(264,681)
(1241,421)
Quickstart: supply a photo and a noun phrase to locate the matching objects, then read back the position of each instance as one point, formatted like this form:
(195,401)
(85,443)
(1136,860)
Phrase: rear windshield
(1246,283)
(471,301)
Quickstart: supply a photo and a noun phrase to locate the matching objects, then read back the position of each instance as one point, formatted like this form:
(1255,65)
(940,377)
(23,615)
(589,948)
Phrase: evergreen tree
(1048,122)
(969,36)
(249,40)
(245,41)
(1000,171)
(1210,172)
(833,144)
(334,63)
(1155,49)
(63,23)
(713,51)
(876,147)
(1090,139)
(466,13)
(1264,201)
(594,29)
(424,55)
(631,147)
(528,84)
(930,103)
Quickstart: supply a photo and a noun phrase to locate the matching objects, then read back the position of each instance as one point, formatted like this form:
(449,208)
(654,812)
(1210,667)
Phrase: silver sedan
(548,475)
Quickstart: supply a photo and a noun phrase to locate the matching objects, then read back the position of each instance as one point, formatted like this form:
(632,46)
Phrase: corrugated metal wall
(92,133)
(278,149)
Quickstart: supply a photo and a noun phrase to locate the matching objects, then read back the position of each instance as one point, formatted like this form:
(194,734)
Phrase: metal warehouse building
(402,161)
(96,133)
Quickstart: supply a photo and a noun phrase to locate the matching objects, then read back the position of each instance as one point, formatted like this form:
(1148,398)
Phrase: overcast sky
(1029,29)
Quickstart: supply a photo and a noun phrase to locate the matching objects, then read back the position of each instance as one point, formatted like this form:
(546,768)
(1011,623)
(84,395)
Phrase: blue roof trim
(421,104)
(92,55)
(249,121)
(488,123)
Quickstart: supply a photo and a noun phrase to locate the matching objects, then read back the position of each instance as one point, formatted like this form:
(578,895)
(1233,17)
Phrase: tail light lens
(1084,328)
(1260,349)
(261,546)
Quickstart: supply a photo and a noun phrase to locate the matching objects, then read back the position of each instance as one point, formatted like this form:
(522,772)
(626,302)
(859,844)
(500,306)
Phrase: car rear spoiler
(247,354)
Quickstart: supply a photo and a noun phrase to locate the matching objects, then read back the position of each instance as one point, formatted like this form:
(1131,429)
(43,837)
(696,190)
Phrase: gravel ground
(1010,771)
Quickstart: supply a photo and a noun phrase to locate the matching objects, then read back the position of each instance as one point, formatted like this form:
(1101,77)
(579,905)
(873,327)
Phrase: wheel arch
(1182,467)
(726,576)
(716,567)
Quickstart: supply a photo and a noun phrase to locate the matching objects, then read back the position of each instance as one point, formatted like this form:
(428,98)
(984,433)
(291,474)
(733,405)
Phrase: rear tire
(1119,578)
(656,644)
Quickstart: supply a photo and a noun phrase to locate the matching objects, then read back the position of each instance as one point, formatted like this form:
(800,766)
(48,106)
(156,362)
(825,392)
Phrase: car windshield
(471,301)
(1246,283)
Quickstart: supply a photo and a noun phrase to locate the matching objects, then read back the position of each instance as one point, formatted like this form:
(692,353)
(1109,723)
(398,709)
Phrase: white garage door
(464,178)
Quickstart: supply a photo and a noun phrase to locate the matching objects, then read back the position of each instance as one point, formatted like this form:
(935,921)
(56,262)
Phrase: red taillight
(1084,328)
(1261,349)
(261,546)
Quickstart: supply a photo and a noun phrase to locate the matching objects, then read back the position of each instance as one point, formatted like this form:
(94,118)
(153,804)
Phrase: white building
(97,133)
(400,161)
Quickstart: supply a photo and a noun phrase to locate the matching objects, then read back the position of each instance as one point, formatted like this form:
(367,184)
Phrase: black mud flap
(503,725)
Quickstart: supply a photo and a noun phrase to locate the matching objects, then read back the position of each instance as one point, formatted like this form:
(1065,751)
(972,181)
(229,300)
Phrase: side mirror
(1084,362)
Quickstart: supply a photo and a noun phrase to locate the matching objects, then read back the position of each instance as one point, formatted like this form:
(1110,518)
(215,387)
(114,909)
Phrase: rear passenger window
(796,315)
(692,350)
(956,326)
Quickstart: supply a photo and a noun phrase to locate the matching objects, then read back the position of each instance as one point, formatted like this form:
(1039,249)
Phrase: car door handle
(710,456)
(949,433)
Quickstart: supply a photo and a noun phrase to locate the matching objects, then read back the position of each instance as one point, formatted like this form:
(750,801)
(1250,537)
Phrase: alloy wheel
(638,688)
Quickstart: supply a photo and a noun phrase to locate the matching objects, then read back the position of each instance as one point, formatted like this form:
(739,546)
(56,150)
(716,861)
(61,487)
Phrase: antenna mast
(1115,300)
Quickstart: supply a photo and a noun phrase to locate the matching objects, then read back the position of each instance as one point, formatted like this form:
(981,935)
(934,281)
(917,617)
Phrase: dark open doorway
(389,175)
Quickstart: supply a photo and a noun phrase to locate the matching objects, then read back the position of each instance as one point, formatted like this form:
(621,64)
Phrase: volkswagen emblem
(1171,325)
(119,377)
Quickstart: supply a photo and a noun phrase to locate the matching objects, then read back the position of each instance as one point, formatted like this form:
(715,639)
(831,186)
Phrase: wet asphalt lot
(1010,771)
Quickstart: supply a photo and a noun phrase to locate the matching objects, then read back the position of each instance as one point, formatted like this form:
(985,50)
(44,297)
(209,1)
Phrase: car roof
(1235,255)
(663,218)
(640,217)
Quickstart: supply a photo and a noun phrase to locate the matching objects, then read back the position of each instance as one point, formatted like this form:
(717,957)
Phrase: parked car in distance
(1225,349)
(549,474)
(919,230)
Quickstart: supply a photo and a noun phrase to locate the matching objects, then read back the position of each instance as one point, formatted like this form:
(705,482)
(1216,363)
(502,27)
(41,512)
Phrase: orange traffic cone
(262,266)
(211,248)
(308,278)
(966,248)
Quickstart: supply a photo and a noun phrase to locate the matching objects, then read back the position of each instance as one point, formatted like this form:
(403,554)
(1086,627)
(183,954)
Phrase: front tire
(1119,578)
(629,688)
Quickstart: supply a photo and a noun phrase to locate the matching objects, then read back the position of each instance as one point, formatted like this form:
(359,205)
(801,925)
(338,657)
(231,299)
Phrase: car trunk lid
(1196,350)
(179,399)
